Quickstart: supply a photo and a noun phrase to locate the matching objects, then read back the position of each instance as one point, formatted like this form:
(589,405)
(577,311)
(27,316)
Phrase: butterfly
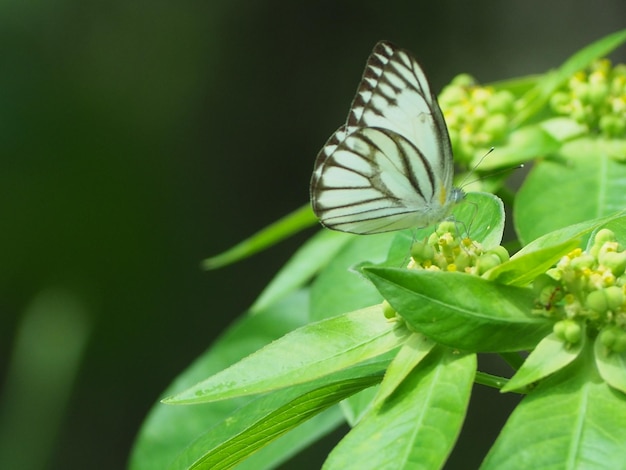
(390,166)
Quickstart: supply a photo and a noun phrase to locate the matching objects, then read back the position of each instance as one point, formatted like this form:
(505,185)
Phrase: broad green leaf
(268,417)
(550,355)
(411,353)
(303,265)
(462,311)
(287,226)
(571,420)
(483,214)
(308,353)
(577,231)
(340,287)
(611,366)
(416,426)
(169,429)
(587,184)
(523,268)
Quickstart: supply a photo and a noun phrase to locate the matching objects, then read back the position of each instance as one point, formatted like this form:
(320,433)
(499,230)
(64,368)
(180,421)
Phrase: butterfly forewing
(390,166)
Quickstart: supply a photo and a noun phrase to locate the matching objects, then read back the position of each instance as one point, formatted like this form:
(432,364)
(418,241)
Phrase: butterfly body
(390,166)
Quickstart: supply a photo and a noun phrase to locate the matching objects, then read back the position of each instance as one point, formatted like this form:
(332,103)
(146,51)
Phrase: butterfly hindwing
(390,166)
(374,181)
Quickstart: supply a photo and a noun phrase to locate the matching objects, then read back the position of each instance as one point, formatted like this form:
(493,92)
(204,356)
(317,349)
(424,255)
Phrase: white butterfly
(389,167)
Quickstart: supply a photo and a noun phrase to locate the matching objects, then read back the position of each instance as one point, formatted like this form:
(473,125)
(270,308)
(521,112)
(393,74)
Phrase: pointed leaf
(416,427)
(340,288)
(302,266)
(287,226)
(462,311)
(523,268)
(265,419)
(550,355)
(611,366)
(308,353)
(411,353)
(572,420)
(586,184)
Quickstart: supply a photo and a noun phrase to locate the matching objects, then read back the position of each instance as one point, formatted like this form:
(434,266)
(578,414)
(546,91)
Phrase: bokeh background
(139,137)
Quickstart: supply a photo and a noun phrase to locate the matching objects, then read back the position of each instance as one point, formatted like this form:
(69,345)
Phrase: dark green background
(139,137)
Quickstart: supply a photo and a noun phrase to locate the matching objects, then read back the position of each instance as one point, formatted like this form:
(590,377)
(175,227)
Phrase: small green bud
(487,261)
(422,251)
(463,80)
(388,310)
(452,94)
(612,125)
(583,261)
(496,126)
(596,301)
(542,281)
(501,253)
(462,260)
(568,330)
(598,93)
(560,102)
(446,227)
(615,261)
(581,90)
(604,235)
(613,338)
(604,300)
(572,332)
(615,297)
(433,239)
(501,102)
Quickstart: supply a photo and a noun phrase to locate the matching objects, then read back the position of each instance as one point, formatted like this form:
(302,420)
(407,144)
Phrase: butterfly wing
(390,166)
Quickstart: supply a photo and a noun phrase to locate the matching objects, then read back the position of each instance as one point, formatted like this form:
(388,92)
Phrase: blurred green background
(138,138)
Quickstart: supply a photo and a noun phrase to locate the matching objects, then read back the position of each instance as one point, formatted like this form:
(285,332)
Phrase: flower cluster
(596,98)
(477,117)
(445,250)
(586,292)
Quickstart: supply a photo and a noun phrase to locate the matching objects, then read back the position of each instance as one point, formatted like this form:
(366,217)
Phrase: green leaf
(550,355)
(303,265)
(308,353)
(523,268)
(611,366)
(462,311)
(586,185)
(571,420)
(340,287)
(577,231)
(412,352)
(287,226)
(483,214)
(417,425)
(265,419)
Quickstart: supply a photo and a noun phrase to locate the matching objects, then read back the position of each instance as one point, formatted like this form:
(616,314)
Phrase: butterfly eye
(389,167)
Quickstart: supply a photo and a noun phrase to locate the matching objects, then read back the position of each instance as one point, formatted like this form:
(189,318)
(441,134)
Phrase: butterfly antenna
(473,170)
(499,172)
